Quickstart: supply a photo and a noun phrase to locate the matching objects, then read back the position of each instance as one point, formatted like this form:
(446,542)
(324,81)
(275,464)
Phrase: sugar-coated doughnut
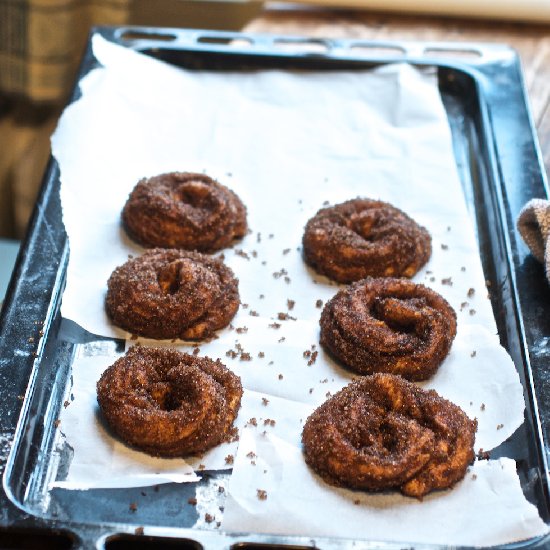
(363,237)
(169,403)
(184,210)
(172,294)
(382,432)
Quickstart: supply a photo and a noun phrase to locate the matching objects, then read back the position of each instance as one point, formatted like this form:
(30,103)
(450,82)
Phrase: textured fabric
(42,41)
(534,227)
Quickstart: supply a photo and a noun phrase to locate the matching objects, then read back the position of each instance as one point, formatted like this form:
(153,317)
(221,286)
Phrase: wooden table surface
(531,41)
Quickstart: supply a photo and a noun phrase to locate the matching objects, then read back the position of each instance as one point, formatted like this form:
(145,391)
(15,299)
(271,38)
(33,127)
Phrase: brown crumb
(242,254)
(138,531)
(269,422)
(245,356)
(253,313)
(471,292)
(57,423)
(483,455)
(133,507)
(66,403)
(319,304)
(265,401)
(290,304)
(261,354)
(221,489)
(196,351)
(241,330)
(281,273)
(232,434)
(313,358)
(201,467)
(231,353)
(280,376)
(252,422)
(209,518)
(229,459)
(307,353)
(447,281)
(357,502)
(285,317)
(192,501)
(500,426)
(275,325)
(261,494)
(252,455)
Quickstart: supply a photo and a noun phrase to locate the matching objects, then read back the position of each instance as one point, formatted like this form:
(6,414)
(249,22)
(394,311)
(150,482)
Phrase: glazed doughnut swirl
(169,403)
(364,237)
(382,432)
(184,210)
(388,325)
(172,294)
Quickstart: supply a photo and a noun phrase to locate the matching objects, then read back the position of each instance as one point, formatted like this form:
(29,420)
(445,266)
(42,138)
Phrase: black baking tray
(500,166)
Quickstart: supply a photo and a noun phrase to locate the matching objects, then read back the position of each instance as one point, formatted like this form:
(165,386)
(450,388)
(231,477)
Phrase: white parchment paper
(486,508)
(101,461)
(287,143)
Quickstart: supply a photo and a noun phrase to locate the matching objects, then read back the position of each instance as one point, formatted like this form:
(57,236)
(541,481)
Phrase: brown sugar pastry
(172,294)
(169,403)
(382,432)
(184,210)
(388,325)
(363,237)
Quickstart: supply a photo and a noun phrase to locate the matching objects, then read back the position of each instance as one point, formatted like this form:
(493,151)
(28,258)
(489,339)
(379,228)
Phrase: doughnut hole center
(174,276)
(164,396)
(364,223)
(404,316)
(195,194)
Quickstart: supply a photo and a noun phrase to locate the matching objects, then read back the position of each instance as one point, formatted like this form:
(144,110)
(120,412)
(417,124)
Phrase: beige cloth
(41,43)
(534,227)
